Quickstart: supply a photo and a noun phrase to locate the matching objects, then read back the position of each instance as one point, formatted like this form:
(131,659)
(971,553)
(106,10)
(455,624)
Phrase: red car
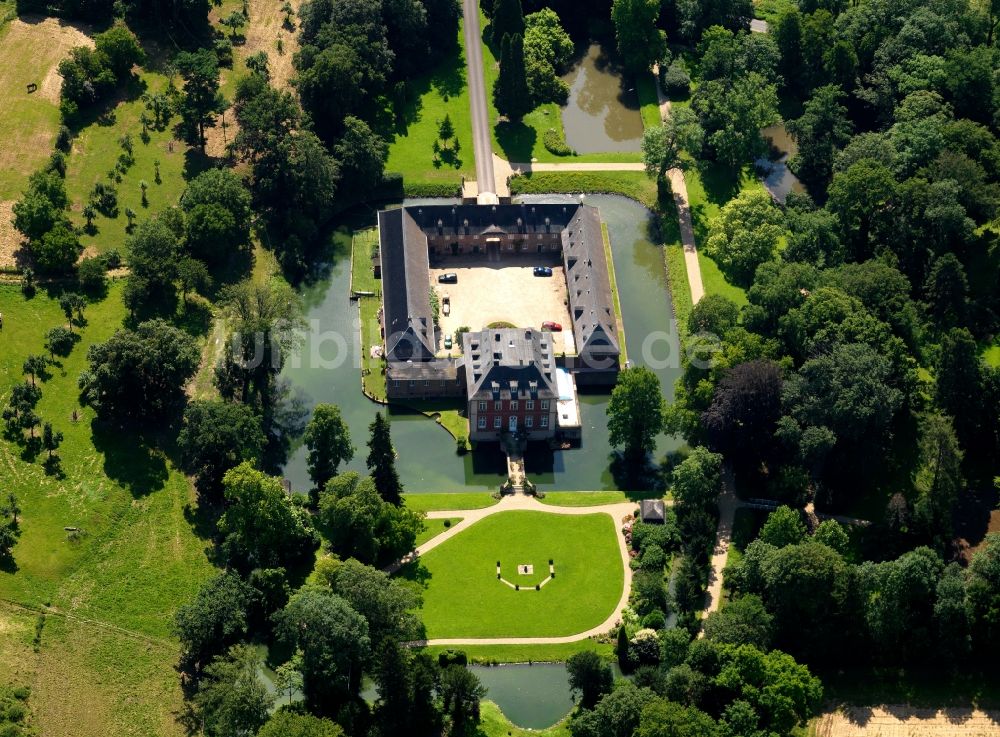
(553,326)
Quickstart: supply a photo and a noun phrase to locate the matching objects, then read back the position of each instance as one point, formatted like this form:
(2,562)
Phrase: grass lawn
(623,357)
(991,354)
(489,654)
(363,245)
(634,184)
(583,498)
(137,559)
(439,92)
(95,152)
(715,281)
(463,597)
(373,376)
(649,102)
(771,10)
(434,527)
(493,723)
(444,501)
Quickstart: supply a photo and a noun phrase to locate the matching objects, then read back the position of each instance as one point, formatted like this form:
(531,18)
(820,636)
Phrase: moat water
(427,461)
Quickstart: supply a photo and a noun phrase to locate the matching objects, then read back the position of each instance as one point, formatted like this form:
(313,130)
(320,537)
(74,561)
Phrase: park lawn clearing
(649,101)
(105,659)
(991,354)
(442,91)
(443,502)
(463,597)
(433,528)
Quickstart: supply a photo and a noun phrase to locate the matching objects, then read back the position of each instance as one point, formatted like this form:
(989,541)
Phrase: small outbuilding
(652,510)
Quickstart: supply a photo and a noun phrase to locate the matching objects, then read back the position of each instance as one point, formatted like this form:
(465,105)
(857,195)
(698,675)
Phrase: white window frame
(529,421)
(545,420)
(497,422)
(482,422)
(497,406)
(529,404)
(545,404)
(482,406)
(513,405)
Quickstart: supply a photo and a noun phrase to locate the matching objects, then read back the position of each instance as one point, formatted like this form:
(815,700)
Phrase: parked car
(543,271)
(450,278)
(446,305)
(447,342)
(552,326)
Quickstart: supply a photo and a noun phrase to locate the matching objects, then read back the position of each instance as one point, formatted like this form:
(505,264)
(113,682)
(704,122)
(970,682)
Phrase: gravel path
(522,502)
(482,143)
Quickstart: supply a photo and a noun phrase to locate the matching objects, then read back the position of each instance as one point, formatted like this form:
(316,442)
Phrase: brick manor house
(508,376)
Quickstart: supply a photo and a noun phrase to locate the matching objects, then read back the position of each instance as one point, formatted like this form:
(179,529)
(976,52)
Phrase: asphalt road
(482,144)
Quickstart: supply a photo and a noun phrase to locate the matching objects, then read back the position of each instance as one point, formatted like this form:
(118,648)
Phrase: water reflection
(778,179)
(602,113)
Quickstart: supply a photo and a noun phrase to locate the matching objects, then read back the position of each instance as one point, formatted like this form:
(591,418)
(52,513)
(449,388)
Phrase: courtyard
(504,291)
(464,598)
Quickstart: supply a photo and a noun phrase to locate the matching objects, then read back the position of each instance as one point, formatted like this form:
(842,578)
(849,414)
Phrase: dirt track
(907,721)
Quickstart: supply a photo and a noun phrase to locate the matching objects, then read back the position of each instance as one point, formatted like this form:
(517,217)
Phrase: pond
(778,179)
(602,113)
(533,696)
(426,453)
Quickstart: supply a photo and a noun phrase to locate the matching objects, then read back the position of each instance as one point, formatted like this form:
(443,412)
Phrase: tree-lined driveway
(482,143)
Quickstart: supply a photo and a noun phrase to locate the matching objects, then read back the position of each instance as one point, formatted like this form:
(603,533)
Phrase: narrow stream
(427,460)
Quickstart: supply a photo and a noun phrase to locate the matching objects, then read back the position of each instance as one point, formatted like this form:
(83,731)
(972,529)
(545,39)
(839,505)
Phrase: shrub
(112,259)
(452,657)
(654,558)
(447,523)
(675,80)
(64,139)
(655,620)
(59,341)
(223,48)
(91,276)
(104,197)
(555,143)
(57,163)
(645,647)
(461,443)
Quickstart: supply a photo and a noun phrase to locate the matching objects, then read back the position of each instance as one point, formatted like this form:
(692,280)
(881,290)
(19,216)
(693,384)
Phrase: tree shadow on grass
(128,459)
(415,571)
(516,140)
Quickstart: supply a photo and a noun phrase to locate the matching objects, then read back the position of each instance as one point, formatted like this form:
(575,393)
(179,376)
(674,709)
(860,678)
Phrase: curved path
(522,502)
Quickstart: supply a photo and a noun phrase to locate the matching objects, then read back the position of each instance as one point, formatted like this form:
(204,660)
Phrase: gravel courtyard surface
(506,291)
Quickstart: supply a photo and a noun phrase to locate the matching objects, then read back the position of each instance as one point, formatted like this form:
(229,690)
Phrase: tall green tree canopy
(640,42)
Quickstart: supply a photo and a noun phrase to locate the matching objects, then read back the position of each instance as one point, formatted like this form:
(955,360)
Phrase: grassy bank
(434,527)
(493,723)
(623,356)
(487,654)
(437,502)
(633,184)
(649,101)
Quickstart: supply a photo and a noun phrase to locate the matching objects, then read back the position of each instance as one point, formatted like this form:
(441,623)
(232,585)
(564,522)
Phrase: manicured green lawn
(443,501)
(583,498)
(373,378)
(680,288)
(364,244)
(715,281)
(463,597)
(649,101)
(137,559)
(95,152)
(493,723)
(441,91)
(634,184)
(487,654)
(623,357)
(434,527)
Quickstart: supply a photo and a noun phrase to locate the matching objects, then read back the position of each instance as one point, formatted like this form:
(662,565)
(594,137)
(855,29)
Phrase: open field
(106,655)
(503,291)
(31,48)
(442,91)
(463,597)
(583,498)
(907,721)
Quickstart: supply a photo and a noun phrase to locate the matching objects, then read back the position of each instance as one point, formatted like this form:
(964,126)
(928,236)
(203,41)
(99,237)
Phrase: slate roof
(506,362)
(407,319)
(439,369)
(486,219)
(652,510)
(591,301)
